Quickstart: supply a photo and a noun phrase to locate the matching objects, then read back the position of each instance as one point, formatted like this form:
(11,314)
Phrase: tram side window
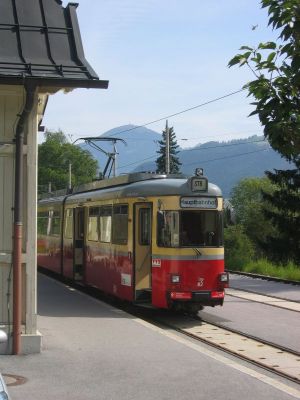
(93,224)
(55,222)
(42,222)
(69,224)
(105,224)
(120,224)
(145,226)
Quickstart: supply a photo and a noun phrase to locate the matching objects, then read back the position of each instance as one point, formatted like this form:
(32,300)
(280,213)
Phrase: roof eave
(54,83)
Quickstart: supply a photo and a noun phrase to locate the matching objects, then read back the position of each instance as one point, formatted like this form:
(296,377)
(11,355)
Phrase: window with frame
(189,228)
(69,223)
(105,223)
(120,224)
(93,224)
(42,222)
(55,223)
(145,226)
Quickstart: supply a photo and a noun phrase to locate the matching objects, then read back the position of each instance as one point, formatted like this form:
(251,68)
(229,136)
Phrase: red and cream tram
(142,237)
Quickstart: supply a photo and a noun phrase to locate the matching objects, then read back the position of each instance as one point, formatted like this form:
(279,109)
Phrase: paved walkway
(94,351)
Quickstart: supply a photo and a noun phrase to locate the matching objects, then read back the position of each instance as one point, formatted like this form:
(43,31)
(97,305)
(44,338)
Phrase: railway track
(269,356)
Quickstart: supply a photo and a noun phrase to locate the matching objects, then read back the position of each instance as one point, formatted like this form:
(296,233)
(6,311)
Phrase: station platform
(91,350)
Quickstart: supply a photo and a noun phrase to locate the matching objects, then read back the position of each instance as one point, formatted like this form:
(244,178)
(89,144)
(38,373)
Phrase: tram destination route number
(199,184)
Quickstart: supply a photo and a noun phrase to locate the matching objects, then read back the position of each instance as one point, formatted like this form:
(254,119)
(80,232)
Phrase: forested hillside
(224,163)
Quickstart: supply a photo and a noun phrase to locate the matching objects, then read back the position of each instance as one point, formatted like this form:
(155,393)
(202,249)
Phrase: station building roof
(40,42)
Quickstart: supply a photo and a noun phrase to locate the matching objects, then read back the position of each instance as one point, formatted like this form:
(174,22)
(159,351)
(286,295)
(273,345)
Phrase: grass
(290,271)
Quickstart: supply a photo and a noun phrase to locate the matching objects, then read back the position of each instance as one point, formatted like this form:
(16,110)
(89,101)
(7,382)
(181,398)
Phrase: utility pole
(167,149)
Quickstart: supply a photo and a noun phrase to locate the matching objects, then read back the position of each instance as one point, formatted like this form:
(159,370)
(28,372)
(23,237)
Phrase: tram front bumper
(205,298)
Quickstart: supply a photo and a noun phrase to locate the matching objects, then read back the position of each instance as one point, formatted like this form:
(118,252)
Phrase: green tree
(276,90)
(173,146)
(239,249)
(285,215)
(249,205)
(54,156)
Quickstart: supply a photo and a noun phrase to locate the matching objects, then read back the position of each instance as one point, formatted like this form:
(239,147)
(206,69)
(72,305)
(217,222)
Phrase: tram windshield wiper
(198,252)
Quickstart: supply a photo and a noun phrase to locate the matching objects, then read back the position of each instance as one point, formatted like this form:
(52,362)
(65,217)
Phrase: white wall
(11,104)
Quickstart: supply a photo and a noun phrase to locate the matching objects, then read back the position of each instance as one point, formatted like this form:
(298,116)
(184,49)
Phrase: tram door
(78,243)
(142,251)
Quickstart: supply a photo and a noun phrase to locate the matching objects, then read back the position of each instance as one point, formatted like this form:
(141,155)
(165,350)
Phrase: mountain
(224,163)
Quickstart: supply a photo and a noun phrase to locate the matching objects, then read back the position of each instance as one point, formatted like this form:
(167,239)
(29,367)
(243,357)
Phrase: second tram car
(143,237)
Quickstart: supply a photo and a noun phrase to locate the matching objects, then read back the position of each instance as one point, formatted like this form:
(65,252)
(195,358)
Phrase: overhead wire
(225,145)
(180,112)
(219,158)
(194,149)
(226,157)
(128,139)
(200,148)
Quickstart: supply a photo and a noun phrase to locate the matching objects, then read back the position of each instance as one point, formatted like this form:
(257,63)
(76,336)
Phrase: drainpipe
(18,219)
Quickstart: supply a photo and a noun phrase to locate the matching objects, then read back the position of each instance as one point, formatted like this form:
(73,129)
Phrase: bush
(289,271)
(239,250)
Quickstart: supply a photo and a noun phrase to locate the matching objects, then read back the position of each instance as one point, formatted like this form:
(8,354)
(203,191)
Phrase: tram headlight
(175,278)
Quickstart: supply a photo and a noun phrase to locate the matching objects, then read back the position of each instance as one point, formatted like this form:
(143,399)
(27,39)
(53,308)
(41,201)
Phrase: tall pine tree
(276,91)
(173,146)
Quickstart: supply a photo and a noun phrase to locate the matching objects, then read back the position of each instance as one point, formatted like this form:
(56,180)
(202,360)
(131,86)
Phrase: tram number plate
(156,262)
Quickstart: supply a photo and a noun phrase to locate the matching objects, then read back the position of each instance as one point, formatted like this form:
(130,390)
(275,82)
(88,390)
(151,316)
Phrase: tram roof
(135,185)
(156,186)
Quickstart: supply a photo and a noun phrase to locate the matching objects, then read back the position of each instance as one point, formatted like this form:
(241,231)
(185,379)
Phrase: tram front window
(189,228)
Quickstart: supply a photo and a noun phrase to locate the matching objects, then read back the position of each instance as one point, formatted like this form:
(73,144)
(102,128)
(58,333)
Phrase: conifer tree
(173,146)
(285,215)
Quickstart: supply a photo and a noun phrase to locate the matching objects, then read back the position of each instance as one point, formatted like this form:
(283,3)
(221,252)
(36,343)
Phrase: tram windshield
(189,228)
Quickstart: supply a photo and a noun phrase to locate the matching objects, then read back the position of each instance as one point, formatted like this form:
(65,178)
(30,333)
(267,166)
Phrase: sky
(162,57)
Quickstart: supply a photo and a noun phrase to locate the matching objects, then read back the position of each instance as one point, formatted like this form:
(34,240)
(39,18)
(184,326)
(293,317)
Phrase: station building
(41,53)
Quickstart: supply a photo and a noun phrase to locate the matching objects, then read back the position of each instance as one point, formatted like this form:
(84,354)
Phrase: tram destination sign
(199,202)
(199,184)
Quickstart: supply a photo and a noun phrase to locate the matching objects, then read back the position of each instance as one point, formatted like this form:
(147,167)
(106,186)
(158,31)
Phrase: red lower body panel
(197,279)
(49,254)
(110,271)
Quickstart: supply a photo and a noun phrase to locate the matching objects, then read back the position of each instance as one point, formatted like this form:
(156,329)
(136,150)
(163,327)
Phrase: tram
(147,238)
